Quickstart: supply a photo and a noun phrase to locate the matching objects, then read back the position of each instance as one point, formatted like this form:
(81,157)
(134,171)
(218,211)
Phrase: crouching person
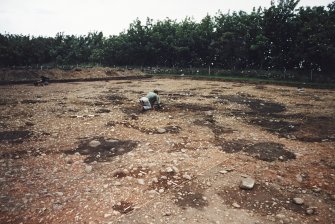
(151,101)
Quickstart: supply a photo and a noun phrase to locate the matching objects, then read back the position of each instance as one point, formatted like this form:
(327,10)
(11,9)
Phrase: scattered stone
(161,190)
(175,169)
(223,171)
(152,192)
(167,213)
(280,216)
(117,183)
(310,210)
(116,213)
(68,160)
(209,113)
(88,169)
(103,110)
(299,178)
(169,170)
(94,143)
(247,183)
(161,130)
(187,177)
(235,205)
(230,169)
(107,215)
(120,173)
(60,194)
(141,181)
(317,190)
(134,116)
(298,201)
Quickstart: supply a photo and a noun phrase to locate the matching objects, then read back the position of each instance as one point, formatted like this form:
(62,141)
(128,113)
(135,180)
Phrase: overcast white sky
(78,17)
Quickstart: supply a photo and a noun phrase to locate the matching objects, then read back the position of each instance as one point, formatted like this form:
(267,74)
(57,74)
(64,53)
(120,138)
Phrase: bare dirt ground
(85,153)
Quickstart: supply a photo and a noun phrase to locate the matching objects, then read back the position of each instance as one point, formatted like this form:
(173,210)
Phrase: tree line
(281,37)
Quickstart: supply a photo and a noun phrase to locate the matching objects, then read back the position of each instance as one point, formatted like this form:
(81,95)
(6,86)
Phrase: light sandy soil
(85,153)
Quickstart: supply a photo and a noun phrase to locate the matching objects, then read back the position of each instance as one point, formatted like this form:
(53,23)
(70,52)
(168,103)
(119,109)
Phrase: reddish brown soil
(216,133)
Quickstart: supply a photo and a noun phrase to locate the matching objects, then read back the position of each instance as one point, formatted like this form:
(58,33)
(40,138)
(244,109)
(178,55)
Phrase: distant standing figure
(151,101)
(44,81)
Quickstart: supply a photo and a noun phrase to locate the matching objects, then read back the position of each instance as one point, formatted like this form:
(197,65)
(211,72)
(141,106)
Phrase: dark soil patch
(211,124)
(32,101)
(168,129)
(266,151)
(258,106)
(192,107)
(280,127)
(14,136)
(124,82)
(235,146)
(106,151)
(103,110)
(116,99)
(216,91)
(132,110)
(139,93)
(262,199)
(268,115)
(123,207)
(316,129)
(6,102)
(270,151)
(187,197)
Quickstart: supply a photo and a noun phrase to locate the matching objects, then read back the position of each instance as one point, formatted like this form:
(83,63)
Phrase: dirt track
(84,153)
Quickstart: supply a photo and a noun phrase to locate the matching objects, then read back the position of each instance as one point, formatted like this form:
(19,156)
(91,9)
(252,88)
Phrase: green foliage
(280,37)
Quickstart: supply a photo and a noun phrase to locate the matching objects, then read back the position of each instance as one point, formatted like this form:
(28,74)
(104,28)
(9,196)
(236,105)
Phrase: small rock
(161,190)
(116,213)
(187,177)
(134,116)
(310,210)
(152,192)
(235,205)
(117,183)
(169,170)
(298,201)
(299,178)
(247,183)
(103,110)
(167,213)
(107,215)
(59,194)
(88,169)
(68,160)
(175,169)
(141,181)
(280,216)
(161,130)
(94,143)
(332,197)
(317,190)
(223,171)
